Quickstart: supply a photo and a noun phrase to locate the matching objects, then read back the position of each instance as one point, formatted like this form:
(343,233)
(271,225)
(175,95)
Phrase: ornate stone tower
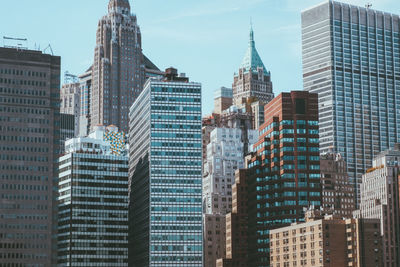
(118,70)
(253,79)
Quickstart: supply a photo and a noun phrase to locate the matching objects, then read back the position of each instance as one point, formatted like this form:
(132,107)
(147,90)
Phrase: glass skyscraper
(165,209)
(93,200)
(351,58)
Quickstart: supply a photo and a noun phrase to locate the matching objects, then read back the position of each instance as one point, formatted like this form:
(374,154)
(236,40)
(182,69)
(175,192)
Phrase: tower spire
(251,33)
(252,59)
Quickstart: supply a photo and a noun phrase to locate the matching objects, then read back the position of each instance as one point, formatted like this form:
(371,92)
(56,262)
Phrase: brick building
(327,242)
(282,178)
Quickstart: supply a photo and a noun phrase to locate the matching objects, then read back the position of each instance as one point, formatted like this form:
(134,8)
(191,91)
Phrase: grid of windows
(93,210)
(352,59)
(29,121)
(168,113)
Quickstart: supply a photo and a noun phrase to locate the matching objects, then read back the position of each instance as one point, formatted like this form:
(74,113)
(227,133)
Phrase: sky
(205,39)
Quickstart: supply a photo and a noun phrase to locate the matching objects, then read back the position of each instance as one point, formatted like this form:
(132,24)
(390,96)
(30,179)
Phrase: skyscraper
(29,149)
(380,200)
(351,59)
(253,79)
(118,71)
(93,200)
(281,179)
(165,158)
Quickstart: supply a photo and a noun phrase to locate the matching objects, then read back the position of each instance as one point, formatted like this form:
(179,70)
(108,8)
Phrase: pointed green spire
(252,43)
(252,58)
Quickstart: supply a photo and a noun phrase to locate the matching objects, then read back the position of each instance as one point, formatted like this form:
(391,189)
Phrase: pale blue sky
(206,39)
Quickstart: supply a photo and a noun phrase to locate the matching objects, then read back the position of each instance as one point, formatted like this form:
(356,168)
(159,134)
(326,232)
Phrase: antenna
(51,50)
(368,5)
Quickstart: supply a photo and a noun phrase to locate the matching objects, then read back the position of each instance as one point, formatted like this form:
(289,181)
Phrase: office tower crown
(119,5)
(252,59)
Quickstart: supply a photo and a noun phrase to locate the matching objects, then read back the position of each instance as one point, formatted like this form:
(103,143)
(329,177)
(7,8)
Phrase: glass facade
(165,175)
(93,207)
(351,57)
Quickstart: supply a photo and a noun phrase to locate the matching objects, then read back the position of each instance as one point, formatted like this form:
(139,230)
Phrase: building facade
(165,210)
(253,79)
(337,191)
(380,200)
(93,201)
(351,58)
(225,155)
(29,149)
(281,179)
(214,238)
(118,71)
(325,242)
(85,81)
(223,99)
(71,102)
(67,129)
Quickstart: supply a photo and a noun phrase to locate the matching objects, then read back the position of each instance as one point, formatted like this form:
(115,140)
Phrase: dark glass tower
(351,58)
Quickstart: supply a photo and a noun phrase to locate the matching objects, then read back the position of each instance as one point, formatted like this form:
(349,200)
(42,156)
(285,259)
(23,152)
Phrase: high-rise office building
(29,149)
(71,102)
(118,71)
(337,191)
(165,158)
(351,58)
(281,179)
(253,79)
(380,200)
(93,200)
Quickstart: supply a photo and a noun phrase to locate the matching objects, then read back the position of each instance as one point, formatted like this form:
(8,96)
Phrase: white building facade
(225,155)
